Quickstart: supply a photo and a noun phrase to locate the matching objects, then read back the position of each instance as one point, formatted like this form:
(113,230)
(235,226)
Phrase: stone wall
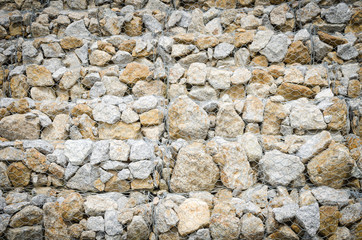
(136,119)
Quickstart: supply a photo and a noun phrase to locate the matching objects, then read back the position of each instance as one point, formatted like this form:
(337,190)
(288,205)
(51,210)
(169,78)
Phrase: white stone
(144,104)
(100,152)
(330,196)
(119,150)
(129,116)
(261,39)
(314,145)
(77,150)
(223,50)
(141,169)
(241,76)
(140,150)
(95,223)
(196,74)
(308,217)
(106,113)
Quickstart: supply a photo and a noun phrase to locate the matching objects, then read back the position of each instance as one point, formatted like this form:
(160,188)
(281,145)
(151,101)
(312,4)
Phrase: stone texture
(39,76)
(314,119)
(134,72)
(20,126)
(314,146)
(228,123)
(28,216)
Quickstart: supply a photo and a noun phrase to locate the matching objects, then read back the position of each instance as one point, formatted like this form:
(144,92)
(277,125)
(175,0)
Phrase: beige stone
(243,38)
(142,184)
(152,117)
(58,130)
(261,76)
(55,226)
(28,216)
(19,87)
(338,113)
(133,27)
(39,76)
(36,161)
(134,72)
(329,217)
(120,130)
(18,174)
(354,88)
(144,88)
(203,43)
(228,123)
(297,53)
(18,126)
(292,91)
(70,42)
(99,58)
(72,207)
(331,40)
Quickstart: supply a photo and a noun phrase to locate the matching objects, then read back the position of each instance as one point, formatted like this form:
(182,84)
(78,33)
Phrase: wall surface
(182,119)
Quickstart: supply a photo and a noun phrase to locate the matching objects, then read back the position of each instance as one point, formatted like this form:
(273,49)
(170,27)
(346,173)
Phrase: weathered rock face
(187,120)
(19,126)
(194,170)
(228,123)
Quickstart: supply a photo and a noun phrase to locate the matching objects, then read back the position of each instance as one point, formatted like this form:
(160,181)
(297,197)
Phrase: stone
(100,152)
(308,12)
(193,214)
(39,76)
(252,227)
(181,50)
(279,168)
(77,151)
(309,218)
(114,86)
(354,88)
(261,39)
(79,5)
(334,41)
(39,30)
(36,161)
(187,120)
(339,13)
(134,72)
(165,218)
(314,146)
(95,223)
(196,74)
(251,146)
(58,130)
(214,27)
(19,86)
(97,205)
(120,131)
(235,168)
(197,22)
(11,154)
(241,76)
(351,214)
(99,58)
(28,216)
(223,50)
(152,24)
(144,88)
(106,113)
(122,58)
(19,174)
(250,22)
(297,53)
(42,93)
(276,48)
(243,38)
(84,178)
(194,170)
(4,180)
(219,79)
(4,221)
(133,27)
(253,109)
(68,79)
(329,216)
(331,167)
(285,213)
(306,116)
(72,207)
(203,43)
(71,42)
(223,223)
(20,126)
(141,169)
(347,51)
(152,117)
(52,50)
(144,104)
(119,150)
(140,150)
(26,233)
(111,225)
(138,229)
(228,123)
(337,112)
(292,91)
(277,15)
(330,196)
(54,225)
(77,29)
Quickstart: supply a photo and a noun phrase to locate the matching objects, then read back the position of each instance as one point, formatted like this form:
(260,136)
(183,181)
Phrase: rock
(314,119)
(99,58)
(100,152)
(228,123)
(235,168)
(54,225)
(350,214)
(284,232)
(77,150)
(4,180)
(39,76)
(194,170)
(224,224)
(152,24)
(294,91)
(144,104)
(193,214)
(152,117)
(252,227)
(253,109)
(308,12)
(331,167)
(187,120)
(138,229)
(274,114)
(58,130)
(144,88)
(181,50)
(71,42)
(223,50)
(114,86)
(11,154)
(261,39)
(134,72)
(97,205)
(111,225)
(19,86)
(297,53)
(331,40)
(95,223)
(42,93)
(133,27)
(79,5)
(106,113)
(252,148)
(277,15)
(119,150)
(219,79)
(36,161)
(240,76)
(329,196)
(84,178)
(120,131)
(69,78)
(77,29)
(28,216)
(337,14)
(140,150)
(243,38)
(197,22)
(26,233)
(329,216)
(337,112)
(122,58)
(19,174)
(52,50)
(309,218)
(214,27)
(5,219)
(203,43)
(196,74)
(276,48)
(285,213)
(39,30)
(141,169)
(19,126)
(314,146)
(347,51)
(279,168)
(165,218)
(72,207)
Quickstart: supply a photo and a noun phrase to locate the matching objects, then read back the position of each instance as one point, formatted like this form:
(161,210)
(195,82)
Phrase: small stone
(203,43)
(196,74)
(122,58)
(58,130)
(11,154)
(219,79)
(286,212)
(28,216)
(97,205)
(243,38)
(111,225)
(120,130)
(52,50)
(347,51)
(240,76)
(314,146)
(350,214)
(252,227)
(18,174)
(95,223)
(70,43)
(106,113)
(72,207)
(114,86)
(330,39)
(138,229)
(253,109)
(77,29)
(134,27)
(129,116)
(228,123)
(308,12)
(26,232)
(141,169)
(251,146)
(152,24)
(140,150)
(261,39)
(78,150)
(152,117)
(276,49)
(294,91)
(134,72)
(39,76)
(99,152)
(99,58)
(84,178)
(297,53)
(329,216)
(223,50)
(330,196)
(36,161)
(119,150)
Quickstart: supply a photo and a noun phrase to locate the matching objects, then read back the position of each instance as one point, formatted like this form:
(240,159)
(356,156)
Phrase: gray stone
(350,214)
(214,27)
(4,221)
(111,225)
(165,218)
(276,49)
(77,29)
(151,23)
(25,233)
(84,178)
(11,154)
(77,4)
(201,234)
(279,168)
(97,90)
(113,165)
(82,53)
(252,148)
(203,93)
(138,229)
(100,152)
(261,39)
(308,12)
(122,58)
(77,150)
(156,5)
(4,180)
(95,223)
(320,48)
(42,146)
(347,51)
(140,150)
(223,50)
(106,113)
(144,104)
(306,116)
(314,145)
(119,150)
(286,212)
(330,196)
(124,174)
(97,205)
(308,218)
(129,116)
(141,169)
(197,22)
(337,14)
(174,18)
(218,78)
(252,227)
(70,170)
(114,86)
(52,50)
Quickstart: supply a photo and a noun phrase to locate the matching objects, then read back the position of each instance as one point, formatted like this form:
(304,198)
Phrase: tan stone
(228,123)
(354,88)
(19,87)
(331,167)
(297,53)
(276,71)
(329,217)
(193,214)
(18,126)
(331,40)
(262,77)
(259,61)
(206,42)
(134,72)
(133,27)
(316,76)
(355,25)
(338,111)
(39,76)
(184,38)
(56,171)
(80,109)
(246,3)
(285,233)
(120,130)
(127,45)
(28,216)
(86,126)
(144,184)
(36,161)
(106,46)
(116,185)
(71,208)
(274,114)
(253,109)
(53,108)
(18,174)
(70,42)
(55,227)
(243,38)
(99,58)
(235,92)
(144,88)
(293,75)
(58,130)
(292,91)
(20,106)
(152,117)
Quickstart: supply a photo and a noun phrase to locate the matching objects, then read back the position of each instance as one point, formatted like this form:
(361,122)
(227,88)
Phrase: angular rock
(338,14)
(314,146)
(297,53)
(138,229)
(306,116)
(58,130)
(253,109)
(228,123)
(196,74)
(120,131)
(252,148)
(308,12)
(347,51)
(309,218)
(39,76)
(261,39)
(18,174)
(84,178)
(223,50)
(100,152)
(330,196)
(97,205)
(119,150)
(111,225)
(219,79)
(36,161)
(286,212)
(276,49)
(329,216)
(77,150)
(350,214)
(26,233)
(28,216)
(292,91)
(140,150)
(106,113)
(99,58)
(77,29)
(72,207)
(134,72)
(252,227)
(19,126)
(141,169)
